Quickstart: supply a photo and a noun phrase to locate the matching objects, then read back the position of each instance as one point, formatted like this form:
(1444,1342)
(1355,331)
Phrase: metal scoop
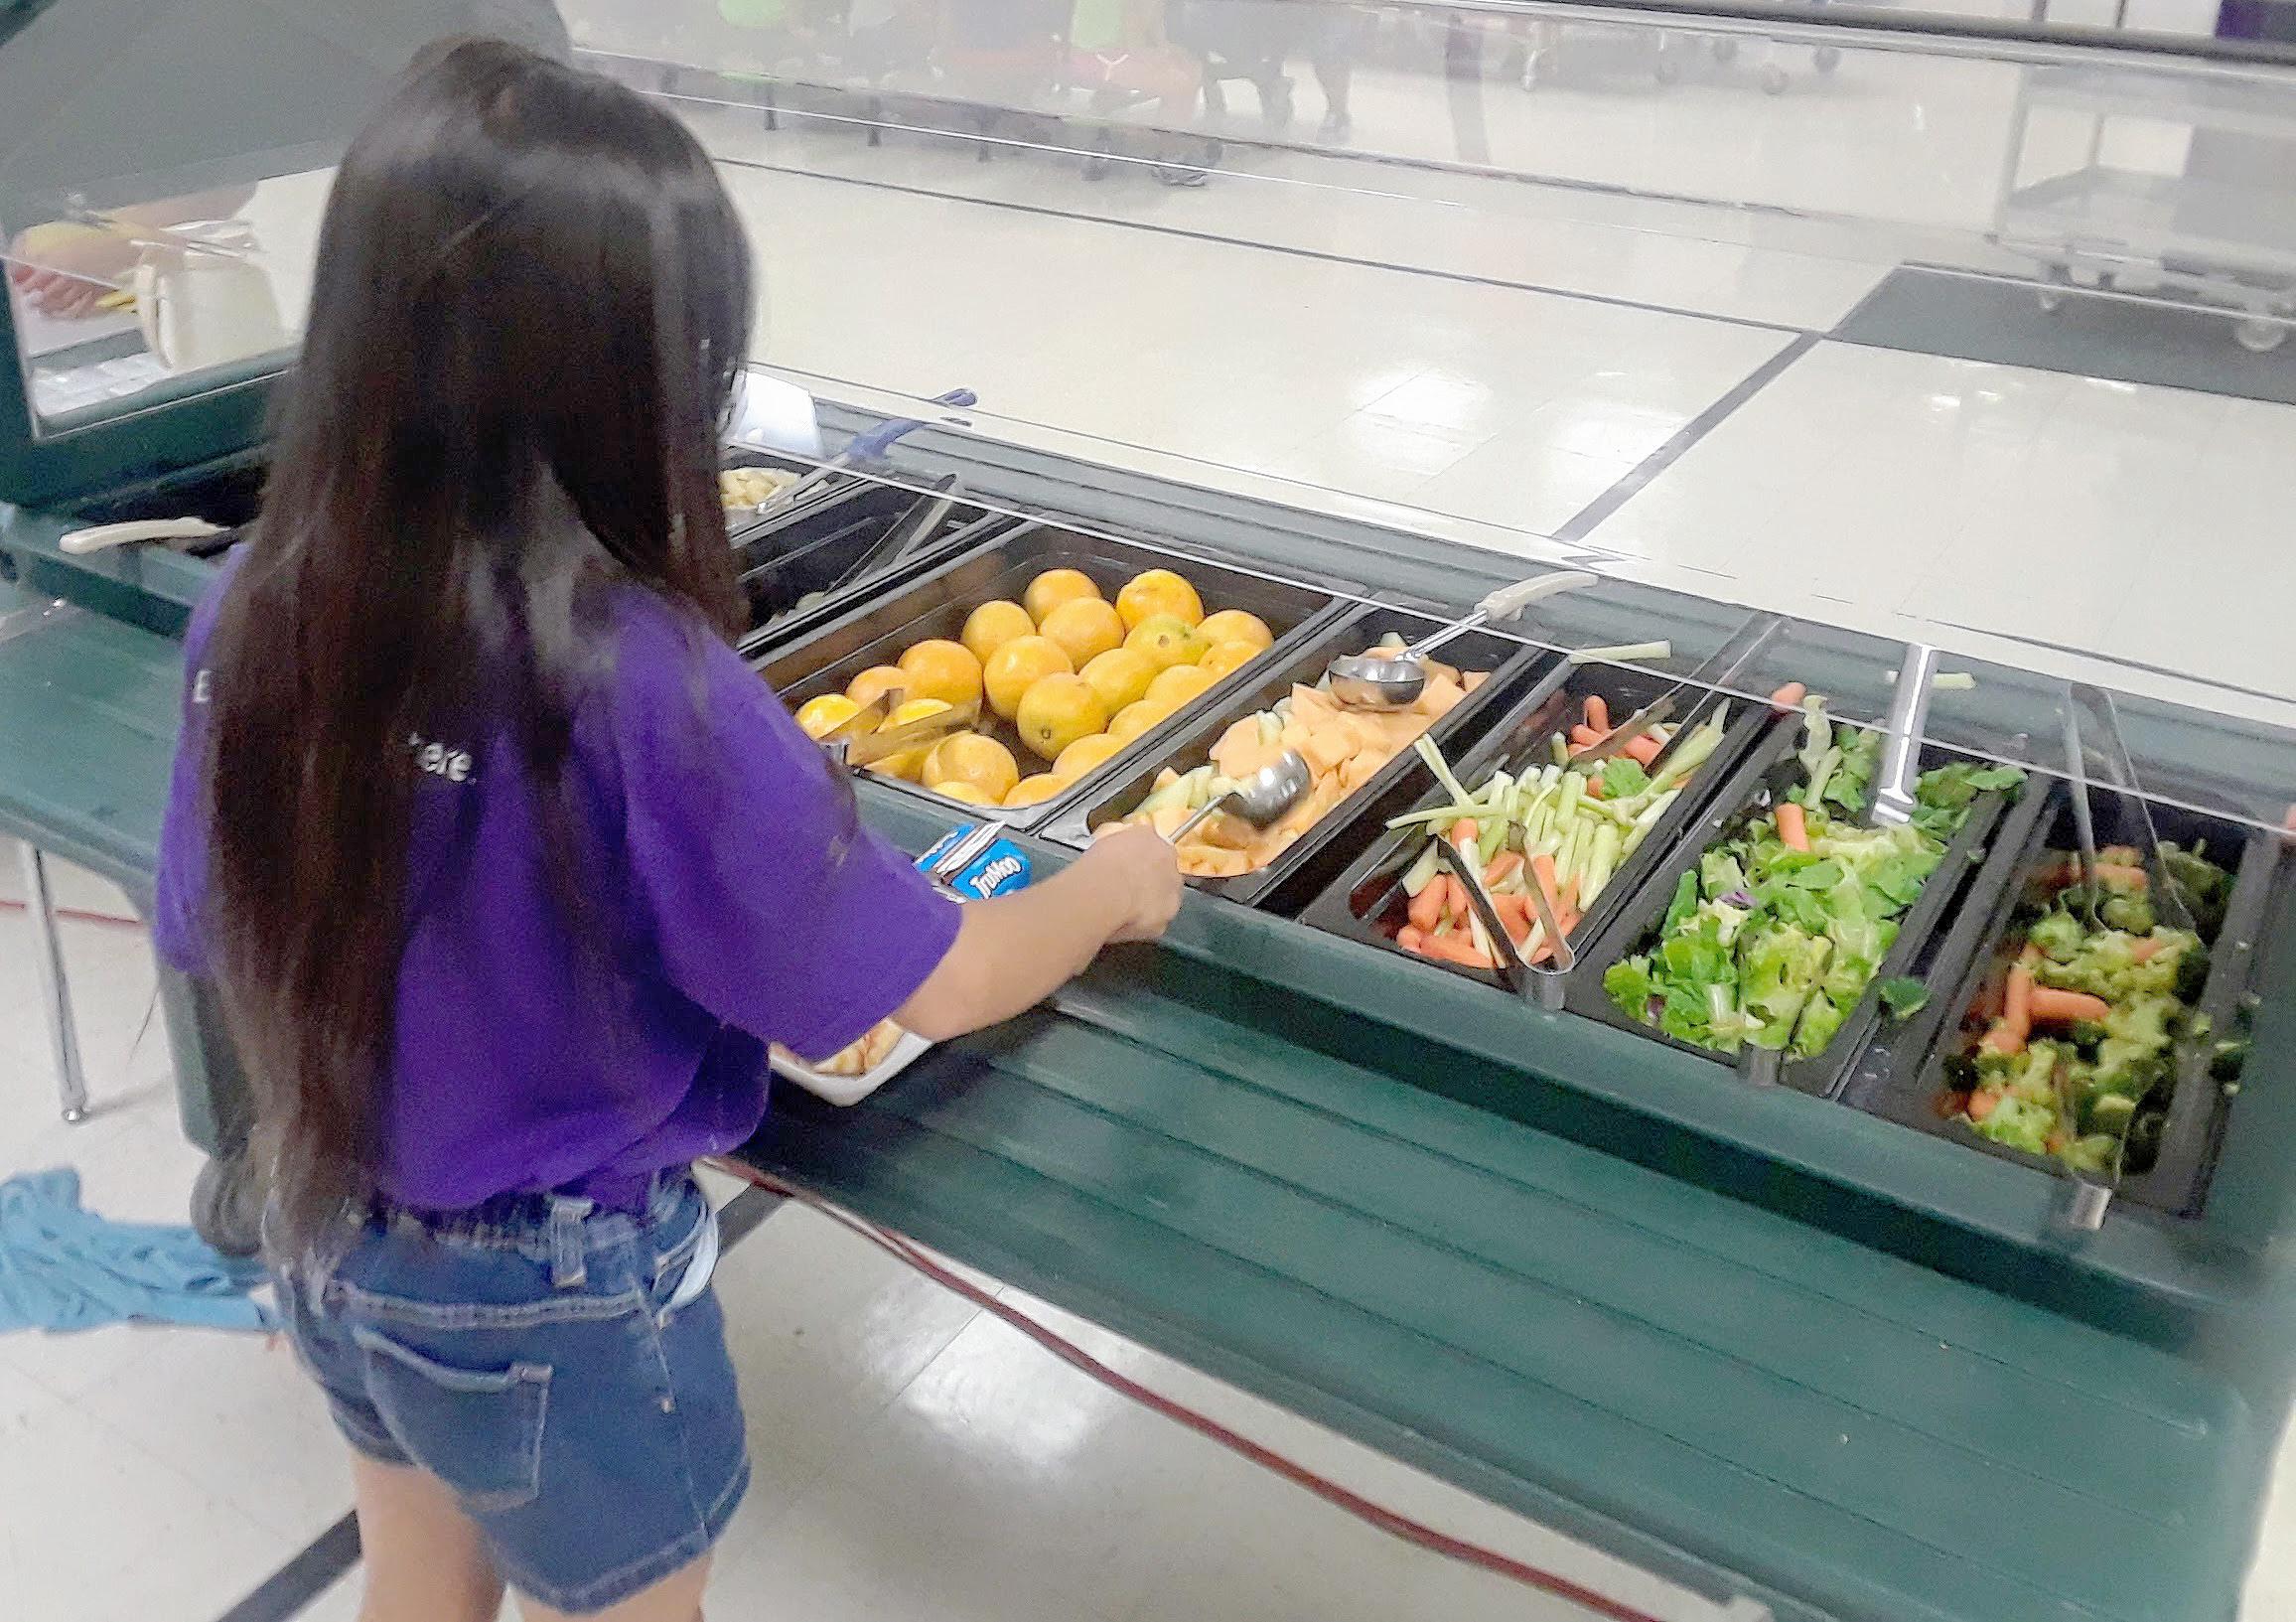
(1259,798)
(1386,682)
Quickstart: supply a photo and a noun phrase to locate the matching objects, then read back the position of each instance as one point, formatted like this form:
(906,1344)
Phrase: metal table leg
(54,992)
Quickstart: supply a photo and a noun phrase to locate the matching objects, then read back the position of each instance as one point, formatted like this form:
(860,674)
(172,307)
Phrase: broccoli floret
(2126,911)
(2093,1154)
(2204,886)
(2058,936)
(2021,1123)
(2133,1058)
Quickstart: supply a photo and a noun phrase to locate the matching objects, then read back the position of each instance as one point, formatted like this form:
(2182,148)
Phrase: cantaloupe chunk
(1209,862)
(1474,678)
(1439,695)
(1330,746)
(1165,820)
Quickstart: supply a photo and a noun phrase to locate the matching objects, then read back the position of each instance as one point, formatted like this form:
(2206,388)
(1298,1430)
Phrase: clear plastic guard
(2171,742)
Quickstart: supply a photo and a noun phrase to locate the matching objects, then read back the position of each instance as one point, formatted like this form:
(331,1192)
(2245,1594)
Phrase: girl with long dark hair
(505,867)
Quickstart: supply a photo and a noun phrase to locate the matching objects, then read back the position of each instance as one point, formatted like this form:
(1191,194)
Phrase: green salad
(1773,939)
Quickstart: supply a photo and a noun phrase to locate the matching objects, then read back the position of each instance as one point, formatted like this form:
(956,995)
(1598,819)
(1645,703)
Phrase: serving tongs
(2086,1197)
(917,521)
(868,447)
(185,535)
(855,749)
(1545,980)
(1715,672)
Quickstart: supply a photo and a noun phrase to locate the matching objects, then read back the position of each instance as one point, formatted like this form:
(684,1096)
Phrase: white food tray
(846,1090)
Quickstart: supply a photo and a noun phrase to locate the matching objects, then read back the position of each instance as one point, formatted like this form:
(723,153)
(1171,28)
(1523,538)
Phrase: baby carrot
(1427,906)
(1410,938)
(1503,867)
(1790,695)
(1583,736)
(1455,949)
(1460,906)
(2145,949)
(2064,1007)
(1598,712)
(2017,1006)
(2003,1039)
(2136,878)
(1792,826)
(1983,1105)
(1642,750)
(1464,833)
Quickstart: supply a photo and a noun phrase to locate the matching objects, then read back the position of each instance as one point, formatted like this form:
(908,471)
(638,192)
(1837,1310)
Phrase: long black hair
(527,318)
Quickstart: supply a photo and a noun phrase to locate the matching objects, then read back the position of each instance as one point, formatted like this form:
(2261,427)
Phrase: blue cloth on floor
(62,1267)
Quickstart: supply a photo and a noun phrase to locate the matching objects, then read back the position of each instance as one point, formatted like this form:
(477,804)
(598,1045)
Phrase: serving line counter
(1763,1340)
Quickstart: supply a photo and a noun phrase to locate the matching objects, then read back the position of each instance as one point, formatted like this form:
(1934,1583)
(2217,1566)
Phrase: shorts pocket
(479,1430)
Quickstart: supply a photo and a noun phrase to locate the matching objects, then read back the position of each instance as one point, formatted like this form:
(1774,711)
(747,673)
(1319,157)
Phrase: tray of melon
(1359,759)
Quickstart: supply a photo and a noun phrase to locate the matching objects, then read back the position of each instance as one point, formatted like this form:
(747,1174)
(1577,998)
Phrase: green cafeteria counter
(1433,1247)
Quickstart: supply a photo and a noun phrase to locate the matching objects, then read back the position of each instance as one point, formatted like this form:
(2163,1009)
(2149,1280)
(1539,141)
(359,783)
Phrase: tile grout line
(1589,517)
(316,1566)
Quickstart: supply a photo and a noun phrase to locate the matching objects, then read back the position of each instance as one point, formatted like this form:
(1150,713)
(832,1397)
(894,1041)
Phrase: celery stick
(1559,748)
(1422,873)
(1441,770)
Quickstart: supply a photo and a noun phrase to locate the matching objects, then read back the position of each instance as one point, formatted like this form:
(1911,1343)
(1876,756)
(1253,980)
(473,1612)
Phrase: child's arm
(1013,952)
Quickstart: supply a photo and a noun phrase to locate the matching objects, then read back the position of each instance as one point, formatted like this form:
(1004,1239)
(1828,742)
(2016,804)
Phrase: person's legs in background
(423,1556)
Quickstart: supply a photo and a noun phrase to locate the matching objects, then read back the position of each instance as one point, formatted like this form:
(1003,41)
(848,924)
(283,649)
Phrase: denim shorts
(557,1366)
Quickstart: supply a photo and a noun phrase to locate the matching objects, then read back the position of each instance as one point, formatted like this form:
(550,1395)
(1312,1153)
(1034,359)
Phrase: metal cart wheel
(2259,334)
(228,1203)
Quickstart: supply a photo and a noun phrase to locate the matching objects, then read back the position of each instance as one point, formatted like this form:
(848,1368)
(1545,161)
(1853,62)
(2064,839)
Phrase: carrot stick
(1642,750)
(1503,867)
(1792,826)
(2017,1006)
(1459,904)
(1427,906)
(1584,737)
(1543,874)
(2136,878)
(1410,938)
(2145,949)
(1790,695)
(1464,833)
(2064,1007)
(1983,1105)
(1568,901)
(1455,949)
(1598,712)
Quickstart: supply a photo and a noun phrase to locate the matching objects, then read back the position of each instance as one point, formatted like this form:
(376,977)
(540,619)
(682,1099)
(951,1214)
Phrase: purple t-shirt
(736,900)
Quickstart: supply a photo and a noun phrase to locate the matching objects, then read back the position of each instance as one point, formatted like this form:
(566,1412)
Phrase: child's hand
(1140,869)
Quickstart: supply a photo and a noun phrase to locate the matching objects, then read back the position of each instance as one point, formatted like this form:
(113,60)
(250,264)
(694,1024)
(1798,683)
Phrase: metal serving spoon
(1259,798)
(1386,682)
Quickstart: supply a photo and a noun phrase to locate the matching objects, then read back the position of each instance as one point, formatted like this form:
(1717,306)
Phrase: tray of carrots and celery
(1570,828)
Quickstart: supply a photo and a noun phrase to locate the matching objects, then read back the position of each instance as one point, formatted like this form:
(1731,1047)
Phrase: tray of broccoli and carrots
(2105,1046)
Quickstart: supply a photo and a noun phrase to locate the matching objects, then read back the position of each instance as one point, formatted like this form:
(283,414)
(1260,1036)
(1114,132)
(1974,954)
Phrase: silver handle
(1503,604)
(1902,746)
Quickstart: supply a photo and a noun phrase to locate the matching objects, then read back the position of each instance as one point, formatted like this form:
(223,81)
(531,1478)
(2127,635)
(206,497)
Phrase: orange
(1084,754)
(1120,677)
(819,717)
(1031,789)
(910,763)
(1085,628)
(1159,591)
(876,681)
(1058,710)
(1179,684)
(943,669)
(963,792)
(1167,640)
(1226,658)
(1235,625)
(1019,665)
(992,624)
(1134,719)
(1053,587)
(979,763)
